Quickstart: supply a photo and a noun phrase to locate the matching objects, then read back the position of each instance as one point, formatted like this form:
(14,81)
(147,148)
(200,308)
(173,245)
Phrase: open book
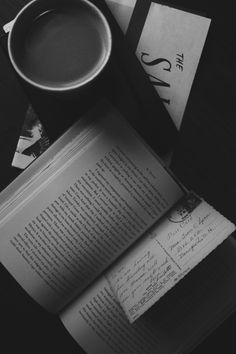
(97,230)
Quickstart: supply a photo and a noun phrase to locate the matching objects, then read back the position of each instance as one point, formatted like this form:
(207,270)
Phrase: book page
(82,212)
(166,254)
(173,325)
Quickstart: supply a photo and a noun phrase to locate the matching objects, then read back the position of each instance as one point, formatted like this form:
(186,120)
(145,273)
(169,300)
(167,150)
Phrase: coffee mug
(59,45)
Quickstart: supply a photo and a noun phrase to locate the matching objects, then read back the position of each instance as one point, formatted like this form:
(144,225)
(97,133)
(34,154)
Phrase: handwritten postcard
(169,49)
(175,246)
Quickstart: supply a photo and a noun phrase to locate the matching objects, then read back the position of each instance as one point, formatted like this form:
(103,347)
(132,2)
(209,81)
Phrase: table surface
(204,160)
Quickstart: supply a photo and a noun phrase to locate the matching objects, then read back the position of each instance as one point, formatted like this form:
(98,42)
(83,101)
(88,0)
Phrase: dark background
(204,159)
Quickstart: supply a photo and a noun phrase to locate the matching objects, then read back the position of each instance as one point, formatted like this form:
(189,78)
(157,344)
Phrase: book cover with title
(169,47)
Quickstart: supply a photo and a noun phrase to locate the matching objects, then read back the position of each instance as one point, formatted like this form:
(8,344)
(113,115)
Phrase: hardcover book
(168,41)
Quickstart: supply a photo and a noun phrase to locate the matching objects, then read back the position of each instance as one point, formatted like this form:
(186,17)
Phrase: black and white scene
(117,183)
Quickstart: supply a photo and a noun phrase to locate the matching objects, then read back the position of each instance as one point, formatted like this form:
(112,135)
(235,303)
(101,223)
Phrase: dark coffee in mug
(63,47)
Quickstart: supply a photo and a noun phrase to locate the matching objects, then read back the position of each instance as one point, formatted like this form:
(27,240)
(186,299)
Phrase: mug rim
(72,86)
